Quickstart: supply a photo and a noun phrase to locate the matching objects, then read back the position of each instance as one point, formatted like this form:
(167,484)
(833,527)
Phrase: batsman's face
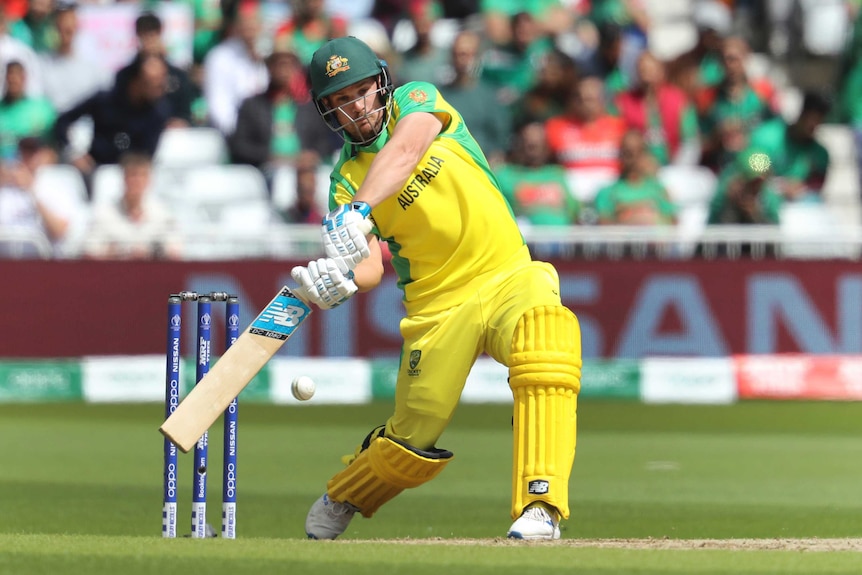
(359,109)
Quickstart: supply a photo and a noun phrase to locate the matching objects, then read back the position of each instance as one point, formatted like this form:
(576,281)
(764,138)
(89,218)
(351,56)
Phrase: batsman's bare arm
(368,273)
(393,165)
(389,170)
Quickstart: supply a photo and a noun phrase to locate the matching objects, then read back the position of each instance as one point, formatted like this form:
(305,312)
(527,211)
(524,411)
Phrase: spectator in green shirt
(849,84)
(536,188)
(423,61)
(637,198)
(799,160)
(488,120)
(733,109)
(21,116)
(745,194)
(208,27)
(552,17)
(700,67)
(848,106)
(511,68)
(36,28)
(621,13)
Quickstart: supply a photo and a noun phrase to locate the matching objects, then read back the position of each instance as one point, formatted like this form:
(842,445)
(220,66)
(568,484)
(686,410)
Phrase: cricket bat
(235,369)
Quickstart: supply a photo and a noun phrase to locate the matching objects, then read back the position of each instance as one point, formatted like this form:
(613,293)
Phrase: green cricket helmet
(343,62)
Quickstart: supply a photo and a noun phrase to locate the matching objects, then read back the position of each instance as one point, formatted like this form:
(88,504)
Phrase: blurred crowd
(582,120)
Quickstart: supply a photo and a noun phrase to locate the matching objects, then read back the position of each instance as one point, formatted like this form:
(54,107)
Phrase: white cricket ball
(302,388)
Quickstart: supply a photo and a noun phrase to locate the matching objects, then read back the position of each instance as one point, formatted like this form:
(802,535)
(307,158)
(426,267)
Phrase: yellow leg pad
(383,471)
(544,374)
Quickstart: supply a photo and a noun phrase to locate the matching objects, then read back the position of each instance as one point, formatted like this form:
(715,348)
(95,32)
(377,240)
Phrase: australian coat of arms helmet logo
(336,64)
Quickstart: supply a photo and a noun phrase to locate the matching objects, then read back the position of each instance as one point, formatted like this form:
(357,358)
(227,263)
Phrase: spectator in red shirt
(586,135)
(15,9)
(662,113)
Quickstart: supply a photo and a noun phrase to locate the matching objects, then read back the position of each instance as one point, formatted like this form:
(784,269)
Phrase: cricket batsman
(411,174)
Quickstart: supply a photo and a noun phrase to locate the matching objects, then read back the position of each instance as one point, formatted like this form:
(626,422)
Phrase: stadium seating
(825,26)
(668,40)
(691,188)
(284,188)
(222,210)
(585,183)
(54,181)
(838,139)
(370,31)
(672,31)
(443,32)
(24,244)
(688,185)
(187,147)
(811,230)
(841,190)
(107,184)
(217,194)
(220,191)
(80,136)
(669,10)
(62,177)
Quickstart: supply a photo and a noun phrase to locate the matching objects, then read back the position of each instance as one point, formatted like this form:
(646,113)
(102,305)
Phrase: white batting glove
(323,284)
(344,231)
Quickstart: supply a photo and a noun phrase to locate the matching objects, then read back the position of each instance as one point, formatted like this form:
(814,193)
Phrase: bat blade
(235,369)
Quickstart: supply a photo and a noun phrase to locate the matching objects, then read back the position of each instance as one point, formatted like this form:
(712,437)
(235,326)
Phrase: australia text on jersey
(427,173)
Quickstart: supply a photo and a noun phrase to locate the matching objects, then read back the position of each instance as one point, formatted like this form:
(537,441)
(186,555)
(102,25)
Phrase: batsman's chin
(365,133)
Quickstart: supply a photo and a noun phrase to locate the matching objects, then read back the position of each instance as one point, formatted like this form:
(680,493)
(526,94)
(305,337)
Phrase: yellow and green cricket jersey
(449,223)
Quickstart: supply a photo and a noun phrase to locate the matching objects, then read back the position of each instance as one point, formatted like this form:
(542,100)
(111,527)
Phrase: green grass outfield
(653,488)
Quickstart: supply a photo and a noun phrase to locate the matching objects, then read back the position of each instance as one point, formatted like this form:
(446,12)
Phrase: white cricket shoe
(536,522)
(327,519)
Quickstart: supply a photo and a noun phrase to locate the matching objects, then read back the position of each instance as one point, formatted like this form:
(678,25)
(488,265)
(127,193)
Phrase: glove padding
(323,284)
(343,231)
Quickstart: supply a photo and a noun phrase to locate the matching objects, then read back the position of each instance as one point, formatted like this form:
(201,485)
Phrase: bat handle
(301,293)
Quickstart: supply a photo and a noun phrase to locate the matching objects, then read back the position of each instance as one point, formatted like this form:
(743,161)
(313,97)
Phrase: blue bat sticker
(281,317)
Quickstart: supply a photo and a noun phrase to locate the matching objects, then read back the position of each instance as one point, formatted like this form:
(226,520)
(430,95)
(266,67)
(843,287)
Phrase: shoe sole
(517,535)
